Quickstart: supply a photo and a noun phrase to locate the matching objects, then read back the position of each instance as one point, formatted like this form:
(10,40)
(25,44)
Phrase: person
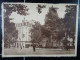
(34,46)
(65,44)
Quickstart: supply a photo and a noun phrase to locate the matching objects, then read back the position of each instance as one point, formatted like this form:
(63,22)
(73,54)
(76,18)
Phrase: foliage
(36,33)
(70,21)
(54,26)
(39,8)
(45,31)
(53,22)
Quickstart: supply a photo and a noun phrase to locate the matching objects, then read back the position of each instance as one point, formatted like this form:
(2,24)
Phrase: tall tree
(36,33)
(54,24)
(70,21)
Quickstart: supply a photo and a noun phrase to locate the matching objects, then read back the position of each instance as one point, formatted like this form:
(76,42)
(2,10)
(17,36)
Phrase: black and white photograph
(39,29)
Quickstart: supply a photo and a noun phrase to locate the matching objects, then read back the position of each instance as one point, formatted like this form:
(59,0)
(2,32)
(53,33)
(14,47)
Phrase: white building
(24,38)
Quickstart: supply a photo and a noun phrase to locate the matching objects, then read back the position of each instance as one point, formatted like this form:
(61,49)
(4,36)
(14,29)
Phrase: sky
(34,15)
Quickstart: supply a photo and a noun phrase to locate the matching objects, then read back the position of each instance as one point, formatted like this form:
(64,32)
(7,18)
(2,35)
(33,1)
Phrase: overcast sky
(34,15)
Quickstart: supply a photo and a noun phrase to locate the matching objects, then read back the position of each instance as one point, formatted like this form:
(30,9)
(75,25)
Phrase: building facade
(24,38)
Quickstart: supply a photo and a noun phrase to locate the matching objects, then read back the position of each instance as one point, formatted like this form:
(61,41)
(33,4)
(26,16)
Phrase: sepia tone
(55,37)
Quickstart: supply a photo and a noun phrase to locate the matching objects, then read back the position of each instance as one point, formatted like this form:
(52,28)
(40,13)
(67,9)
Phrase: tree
(36,33)
(39,8)
(70,21)
(54,25)
(10,32)
(45,31)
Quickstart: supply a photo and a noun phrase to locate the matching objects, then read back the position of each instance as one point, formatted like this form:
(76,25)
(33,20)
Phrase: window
(23,35)
(24,24)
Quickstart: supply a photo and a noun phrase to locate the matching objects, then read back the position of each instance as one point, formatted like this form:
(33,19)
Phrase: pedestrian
(65,44)
(34,46)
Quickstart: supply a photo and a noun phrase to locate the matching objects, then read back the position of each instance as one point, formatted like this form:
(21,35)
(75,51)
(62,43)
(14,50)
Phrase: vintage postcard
(39,29)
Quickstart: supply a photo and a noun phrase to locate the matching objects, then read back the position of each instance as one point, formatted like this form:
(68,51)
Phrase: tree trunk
(9,45)
(73,42)
(51,41)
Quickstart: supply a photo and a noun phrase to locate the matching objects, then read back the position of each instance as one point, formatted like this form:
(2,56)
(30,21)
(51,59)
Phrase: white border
(66,55)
